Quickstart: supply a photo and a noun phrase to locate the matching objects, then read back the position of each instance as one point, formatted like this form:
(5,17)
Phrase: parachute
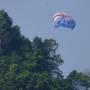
(64,20)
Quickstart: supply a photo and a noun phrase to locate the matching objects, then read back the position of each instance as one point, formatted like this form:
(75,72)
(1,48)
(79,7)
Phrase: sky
(35,19)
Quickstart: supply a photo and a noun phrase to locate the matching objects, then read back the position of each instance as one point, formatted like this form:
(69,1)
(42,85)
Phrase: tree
(32,65)
(9,34)
(77,81)
(25,64)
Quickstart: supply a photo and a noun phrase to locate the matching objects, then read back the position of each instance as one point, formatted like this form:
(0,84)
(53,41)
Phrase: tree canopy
(32,65)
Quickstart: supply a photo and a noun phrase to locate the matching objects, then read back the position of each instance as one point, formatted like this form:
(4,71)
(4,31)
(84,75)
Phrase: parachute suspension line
(61,50)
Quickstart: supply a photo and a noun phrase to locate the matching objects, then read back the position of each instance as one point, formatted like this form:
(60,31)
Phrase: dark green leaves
(32,65)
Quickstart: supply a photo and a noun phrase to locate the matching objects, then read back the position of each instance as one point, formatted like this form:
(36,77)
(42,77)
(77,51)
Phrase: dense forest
(33,65)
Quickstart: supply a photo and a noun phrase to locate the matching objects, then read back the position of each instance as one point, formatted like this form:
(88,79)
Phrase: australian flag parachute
(64,20)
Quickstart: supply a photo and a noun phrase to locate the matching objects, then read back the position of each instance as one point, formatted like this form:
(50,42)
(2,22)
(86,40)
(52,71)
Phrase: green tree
(77,81)
(32,65)
(25,64)
(9,34)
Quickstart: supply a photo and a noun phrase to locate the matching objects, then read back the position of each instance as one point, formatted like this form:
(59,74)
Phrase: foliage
(31,65)
(77,81)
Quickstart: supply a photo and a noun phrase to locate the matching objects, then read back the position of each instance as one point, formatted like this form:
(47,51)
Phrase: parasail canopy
(64,20)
